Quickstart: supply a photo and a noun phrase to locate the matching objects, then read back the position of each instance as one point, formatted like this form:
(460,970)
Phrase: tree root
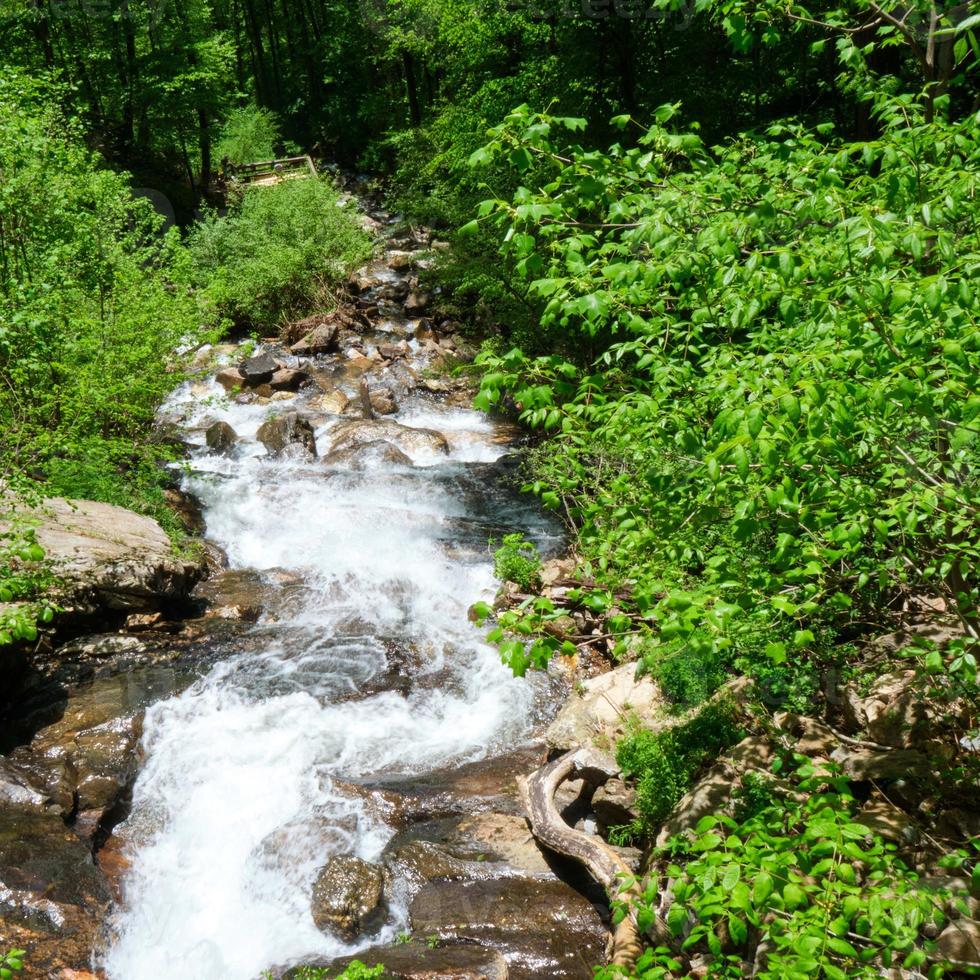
(599,859)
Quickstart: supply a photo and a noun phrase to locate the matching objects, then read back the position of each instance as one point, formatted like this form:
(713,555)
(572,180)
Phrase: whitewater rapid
(249,781)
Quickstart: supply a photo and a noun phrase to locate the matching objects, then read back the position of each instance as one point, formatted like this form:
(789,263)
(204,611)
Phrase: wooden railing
(270,171)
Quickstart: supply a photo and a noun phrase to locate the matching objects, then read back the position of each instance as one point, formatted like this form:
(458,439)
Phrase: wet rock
(614,803)
(416,302)
(258,370)
(287,433)
(282,396)
(54,896)
(598,715)
(347,897)
(419,961)
(231,379)
(392,352)
(187,509)
(400,260)
(220,437)
(288,379)
(368,455)
(86,760)
(335,402)
(321,339)
(542,926)
(107,557)
(357,432)
(383,401)
(17,792)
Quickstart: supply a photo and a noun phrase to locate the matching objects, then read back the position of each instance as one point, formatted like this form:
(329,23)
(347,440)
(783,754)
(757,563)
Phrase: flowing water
(367,667)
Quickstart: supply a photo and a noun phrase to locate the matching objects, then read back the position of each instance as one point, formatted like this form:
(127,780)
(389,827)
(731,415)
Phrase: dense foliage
(279,251)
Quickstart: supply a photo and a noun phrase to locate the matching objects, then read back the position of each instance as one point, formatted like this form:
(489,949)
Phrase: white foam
(238,801)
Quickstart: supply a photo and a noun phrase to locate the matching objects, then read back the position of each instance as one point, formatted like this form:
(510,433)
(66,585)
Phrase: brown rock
(543,927)
(710,795)
(959,943)
(347,897)
(258,369)
(108,557)
(322,339)
(220,437)
(407,439)
(614,803)
(416,302)
(419,961)
(288,379)
(287,434)
(367,456)
(230,379)
(383,401)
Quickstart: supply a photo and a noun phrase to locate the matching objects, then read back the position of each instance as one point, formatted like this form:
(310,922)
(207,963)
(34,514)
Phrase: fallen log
(599,859)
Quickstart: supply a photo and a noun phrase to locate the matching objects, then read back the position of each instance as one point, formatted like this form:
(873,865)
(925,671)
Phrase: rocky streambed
(309,754)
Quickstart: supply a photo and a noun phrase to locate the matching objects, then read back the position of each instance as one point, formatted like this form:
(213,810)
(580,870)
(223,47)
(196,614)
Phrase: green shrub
(517,560)
(355,971)
(249,135)
(95,301)
(665,764)
(688,679)
(281,252)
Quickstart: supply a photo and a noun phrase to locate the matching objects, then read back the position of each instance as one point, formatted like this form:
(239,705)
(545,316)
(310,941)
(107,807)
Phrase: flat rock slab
(417,961)
(543,927)
(109,557)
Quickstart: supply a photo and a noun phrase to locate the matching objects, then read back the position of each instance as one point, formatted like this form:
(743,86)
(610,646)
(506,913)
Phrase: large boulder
(542,926)
(220,437)
(420,961)
(357,432)
(347,897)
(368,455)
(287,434)
(258,369)
(54,896)
(320,340)
(107,557)
(230,378)
(598,715)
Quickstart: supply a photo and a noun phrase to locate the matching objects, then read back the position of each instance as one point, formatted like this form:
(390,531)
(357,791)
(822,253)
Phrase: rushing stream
(367,667)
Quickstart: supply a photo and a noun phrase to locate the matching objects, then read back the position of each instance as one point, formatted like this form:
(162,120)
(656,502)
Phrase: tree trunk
(414,111)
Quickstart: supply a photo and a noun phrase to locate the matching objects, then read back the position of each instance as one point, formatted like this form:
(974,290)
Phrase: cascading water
(368,667)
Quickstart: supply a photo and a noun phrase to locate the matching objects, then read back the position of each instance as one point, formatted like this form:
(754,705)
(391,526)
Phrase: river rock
(107,557)
(320,340)
(17,792)
(542,926)
(383,401)
(258,369)
(599,713)
(220,437)
(347,897)
(368,455)
(288,380)
(416,302)
(400,260)
(54,896)
(419,961)
(357,432)
(287,433)
(230,378)
(86,760)
(335,402)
